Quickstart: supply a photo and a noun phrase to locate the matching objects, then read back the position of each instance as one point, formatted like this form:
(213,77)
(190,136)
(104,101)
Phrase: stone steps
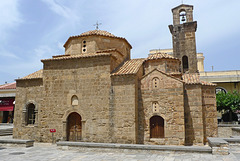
(109,146)
(17,142)
(236,131)
(4,132)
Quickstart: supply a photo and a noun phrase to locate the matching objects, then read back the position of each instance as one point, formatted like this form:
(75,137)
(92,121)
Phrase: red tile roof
(8,86)
(160,56)
(129,67)
(194,78)
(109,50)
(35,75)
(96,32)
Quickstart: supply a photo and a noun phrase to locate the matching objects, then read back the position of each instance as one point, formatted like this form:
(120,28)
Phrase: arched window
(185,63)
(156,127)
(221,89)
(31,113)
(74,100)
(155,82)
(182,16)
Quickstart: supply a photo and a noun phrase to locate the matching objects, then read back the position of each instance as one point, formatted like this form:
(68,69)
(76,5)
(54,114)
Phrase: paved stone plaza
(48,152)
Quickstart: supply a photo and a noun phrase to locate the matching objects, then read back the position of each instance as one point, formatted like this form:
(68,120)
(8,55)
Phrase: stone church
(95,92)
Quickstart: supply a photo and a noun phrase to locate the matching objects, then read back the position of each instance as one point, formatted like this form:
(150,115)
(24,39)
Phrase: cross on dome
(97,25)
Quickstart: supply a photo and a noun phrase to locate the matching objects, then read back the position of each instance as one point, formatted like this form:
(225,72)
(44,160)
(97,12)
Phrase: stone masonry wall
(89,80)
(27,91)
(164,65)
(123,109)
(209,112)
(96,43)
(169,96)
(193,115)
(183,37)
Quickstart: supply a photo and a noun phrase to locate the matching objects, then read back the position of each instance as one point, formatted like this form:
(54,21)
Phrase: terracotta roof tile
(96,32)
(191,78)
(129,67)
(160,56)
(8,86)
(207,83)
(109,50)
(195,79)
(62,57)
(35,75)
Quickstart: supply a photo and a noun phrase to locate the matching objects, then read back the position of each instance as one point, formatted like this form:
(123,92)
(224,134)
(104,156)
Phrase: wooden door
(156,127)
(74,127)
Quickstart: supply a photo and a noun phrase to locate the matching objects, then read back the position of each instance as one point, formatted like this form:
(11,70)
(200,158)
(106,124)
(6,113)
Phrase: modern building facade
(7,101)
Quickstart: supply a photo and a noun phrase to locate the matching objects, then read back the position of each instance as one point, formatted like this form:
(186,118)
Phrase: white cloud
(8,54)
(60,9)
(10,17)
(44,51)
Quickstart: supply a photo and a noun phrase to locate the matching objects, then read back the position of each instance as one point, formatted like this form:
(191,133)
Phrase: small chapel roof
(130,67)
(160,56)
(98,33)
(194,78)
(35,75)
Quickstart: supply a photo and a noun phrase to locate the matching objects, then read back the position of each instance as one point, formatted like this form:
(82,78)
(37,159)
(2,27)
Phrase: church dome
(97,32)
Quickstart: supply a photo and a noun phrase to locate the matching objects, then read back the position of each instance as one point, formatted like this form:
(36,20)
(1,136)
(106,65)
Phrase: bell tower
(183,37)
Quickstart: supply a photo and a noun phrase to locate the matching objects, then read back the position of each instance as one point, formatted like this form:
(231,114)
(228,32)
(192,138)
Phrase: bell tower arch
(183,37)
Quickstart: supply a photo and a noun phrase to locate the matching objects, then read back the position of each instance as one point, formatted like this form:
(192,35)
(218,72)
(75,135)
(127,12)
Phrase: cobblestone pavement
(48,152)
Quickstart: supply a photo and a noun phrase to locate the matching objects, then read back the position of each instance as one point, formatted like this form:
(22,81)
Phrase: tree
(228,102)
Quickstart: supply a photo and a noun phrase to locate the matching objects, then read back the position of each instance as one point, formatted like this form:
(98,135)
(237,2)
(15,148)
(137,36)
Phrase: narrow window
(155,107)
(155,82)
(185,63)
(31,114)
(74,100)
(156,127)
(84,46)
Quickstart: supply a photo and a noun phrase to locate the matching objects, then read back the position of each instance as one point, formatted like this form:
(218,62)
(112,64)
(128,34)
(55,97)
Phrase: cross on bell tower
(97,25)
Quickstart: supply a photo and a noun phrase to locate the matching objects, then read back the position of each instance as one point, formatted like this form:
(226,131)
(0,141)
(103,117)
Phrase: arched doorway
(74,127)
(156,127)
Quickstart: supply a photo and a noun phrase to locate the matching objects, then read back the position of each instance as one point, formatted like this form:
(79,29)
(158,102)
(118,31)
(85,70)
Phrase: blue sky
(31,30)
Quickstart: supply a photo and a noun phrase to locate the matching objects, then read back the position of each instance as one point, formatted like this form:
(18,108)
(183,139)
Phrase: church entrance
(74,127)
(156,127)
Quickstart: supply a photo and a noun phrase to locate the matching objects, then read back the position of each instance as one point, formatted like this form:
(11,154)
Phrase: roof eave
(23,79)
(71,37)
(66,58)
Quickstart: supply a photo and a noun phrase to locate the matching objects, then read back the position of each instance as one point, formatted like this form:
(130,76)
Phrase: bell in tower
(183,37)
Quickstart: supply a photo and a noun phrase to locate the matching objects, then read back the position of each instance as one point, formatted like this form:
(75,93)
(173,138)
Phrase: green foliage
(229,101)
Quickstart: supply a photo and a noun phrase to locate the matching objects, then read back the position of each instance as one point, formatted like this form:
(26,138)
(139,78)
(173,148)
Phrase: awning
(6,108)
